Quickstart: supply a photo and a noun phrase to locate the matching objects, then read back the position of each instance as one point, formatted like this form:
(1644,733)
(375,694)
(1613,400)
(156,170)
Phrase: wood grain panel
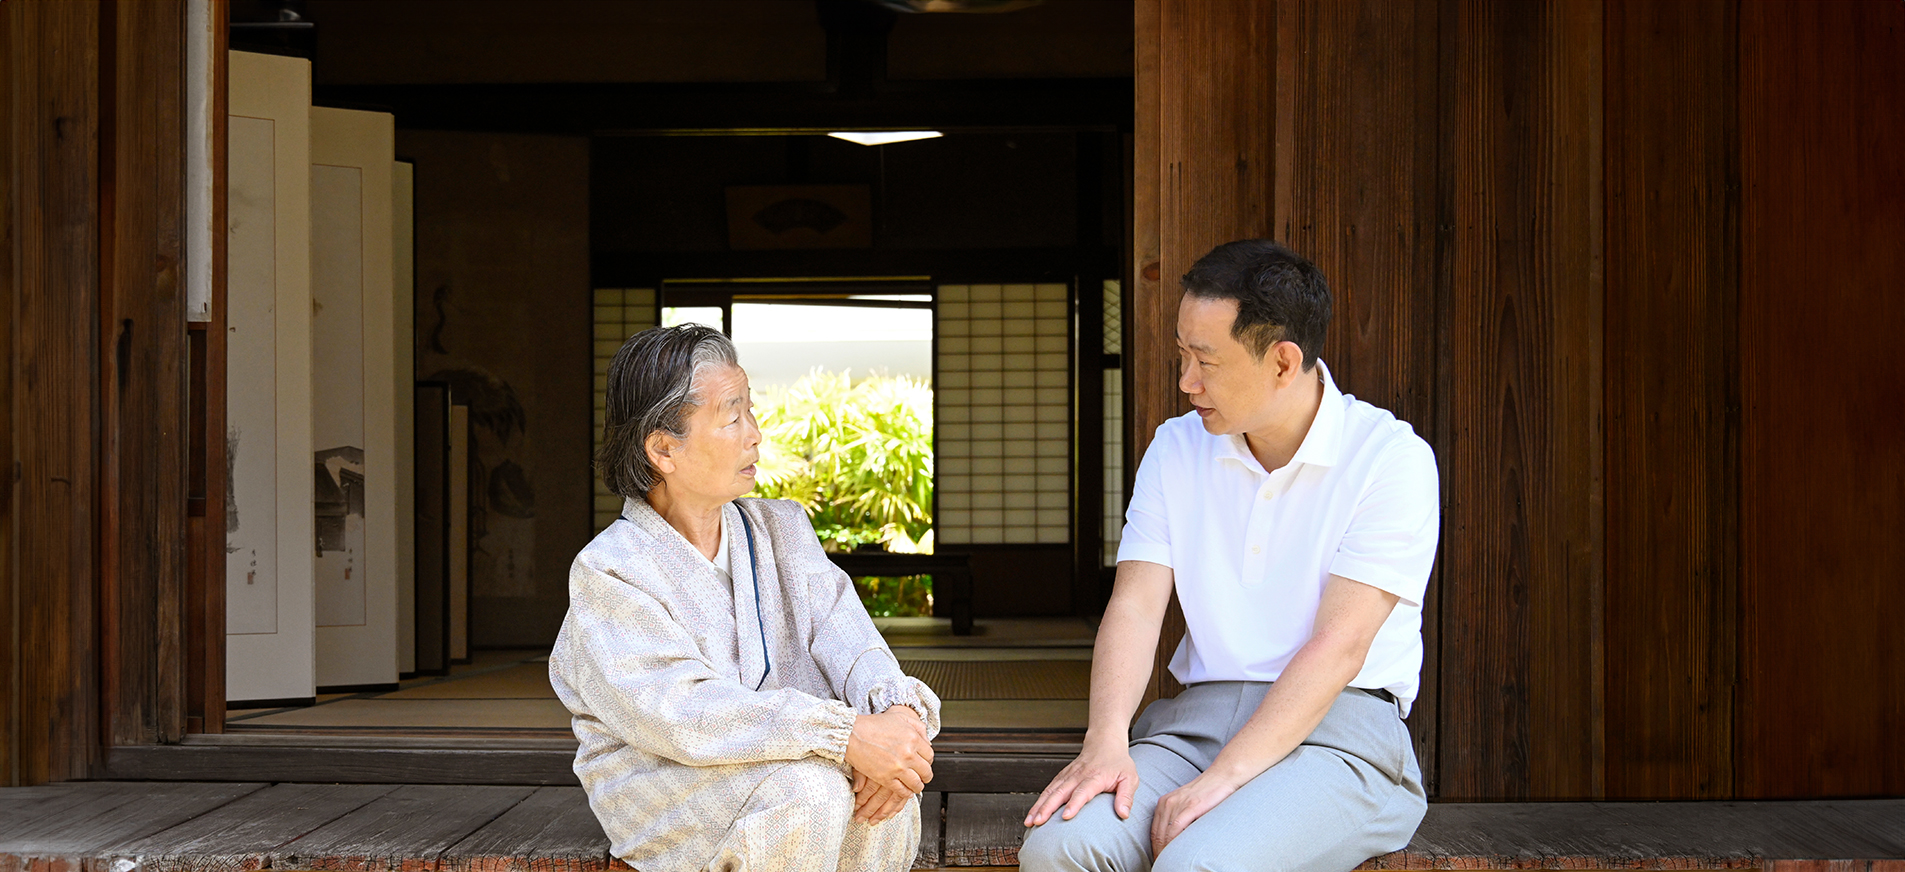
(1822,471)
(1671,607)
(55,79)
(143,403)
(1355,193)
(985,829)
(205,528)
(1204,159)
(9,634)
(1520,577)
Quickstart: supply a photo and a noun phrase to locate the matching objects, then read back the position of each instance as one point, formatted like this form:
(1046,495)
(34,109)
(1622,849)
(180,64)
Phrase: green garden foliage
(858,456)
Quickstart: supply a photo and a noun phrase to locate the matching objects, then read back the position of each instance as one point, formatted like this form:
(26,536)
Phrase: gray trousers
(1350,792)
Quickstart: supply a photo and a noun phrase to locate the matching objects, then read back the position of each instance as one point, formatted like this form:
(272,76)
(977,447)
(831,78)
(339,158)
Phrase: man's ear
(661,449)
(1288,362)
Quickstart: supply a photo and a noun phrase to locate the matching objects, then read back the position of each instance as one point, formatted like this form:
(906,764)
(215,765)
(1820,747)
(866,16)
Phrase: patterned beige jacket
(661,663)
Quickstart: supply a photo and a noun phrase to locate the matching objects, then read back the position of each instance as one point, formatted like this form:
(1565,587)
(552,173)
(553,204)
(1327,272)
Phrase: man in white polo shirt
(1297,525)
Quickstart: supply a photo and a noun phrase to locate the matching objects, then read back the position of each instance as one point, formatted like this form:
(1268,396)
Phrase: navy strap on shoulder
(755,571)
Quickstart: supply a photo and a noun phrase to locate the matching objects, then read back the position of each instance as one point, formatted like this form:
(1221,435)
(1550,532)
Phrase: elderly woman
(735,706)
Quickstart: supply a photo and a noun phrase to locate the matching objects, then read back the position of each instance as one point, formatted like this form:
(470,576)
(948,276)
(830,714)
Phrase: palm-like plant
(858,456)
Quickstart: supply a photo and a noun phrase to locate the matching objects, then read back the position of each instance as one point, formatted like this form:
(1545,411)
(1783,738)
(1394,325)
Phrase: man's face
(1233,390)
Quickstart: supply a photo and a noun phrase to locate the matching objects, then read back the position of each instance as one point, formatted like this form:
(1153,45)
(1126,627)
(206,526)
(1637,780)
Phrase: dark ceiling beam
(648,109)
(637,269)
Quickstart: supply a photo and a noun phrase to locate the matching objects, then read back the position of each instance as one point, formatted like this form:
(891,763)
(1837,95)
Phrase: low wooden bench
(166,826)
(952,577)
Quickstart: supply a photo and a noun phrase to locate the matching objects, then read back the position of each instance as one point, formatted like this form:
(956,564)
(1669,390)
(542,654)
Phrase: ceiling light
(882,137)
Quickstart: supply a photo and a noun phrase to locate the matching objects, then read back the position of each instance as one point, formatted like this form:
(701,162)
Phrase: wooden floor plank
(551,831)
(20,806)
(1650,835)
(932,829)
(98,814)
(405,829)
(985,829)
(243,834)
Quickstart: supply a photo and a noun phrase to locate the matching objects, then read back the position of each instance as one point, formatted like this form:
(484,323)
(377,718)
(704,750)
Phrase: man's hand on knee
(1183,806)
(1099,769)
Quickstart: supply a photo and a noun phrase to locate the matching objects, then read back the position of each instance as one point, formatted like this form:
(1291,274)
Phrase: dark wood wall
(1671,417)
(95,514)
(1625,265)
(1822,383)
(53,291)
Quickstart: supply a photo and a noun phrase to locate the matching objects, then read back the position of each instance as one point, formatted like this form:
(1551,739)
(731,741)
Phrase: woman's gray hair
(652,388)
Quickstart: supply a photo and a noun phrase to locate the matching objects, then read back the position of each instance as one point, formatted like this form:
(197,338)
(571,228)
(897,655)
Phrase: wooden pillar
(1672,278)
(1203,153)
(1822,472)
(1520,418)
(9,640)
(1356,194)
(143,358)
(52,53)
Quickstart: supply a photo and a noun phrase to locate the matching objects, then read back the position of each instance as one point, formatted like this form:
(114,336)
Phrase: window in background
(843,390)
(675,316)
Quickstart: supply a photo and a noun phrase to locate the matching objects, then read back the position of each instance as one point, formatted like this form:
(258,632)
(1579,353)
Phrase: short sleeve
(1390,544)
(1147,533)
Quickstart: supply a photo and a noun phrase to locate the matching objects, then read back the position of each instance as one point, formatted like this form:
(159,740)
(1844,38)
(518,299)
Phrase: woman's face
(716,463)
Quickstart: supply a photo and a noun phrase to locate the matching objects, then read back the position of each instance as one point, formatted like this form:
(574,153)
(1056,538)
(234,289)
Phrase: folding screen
(353,392)
(431,655)
(458,629)
(268,515)
(404,312)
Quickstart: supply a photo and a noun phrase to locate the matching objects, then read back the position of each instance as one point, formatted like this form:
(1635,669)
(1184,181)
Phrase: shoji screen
(1114,421)
(1002,411)
(619,314)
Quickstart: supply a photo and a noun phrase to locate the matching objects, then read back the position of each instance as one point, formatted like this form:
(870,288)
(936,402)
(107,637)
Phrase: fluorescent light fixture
(882,137)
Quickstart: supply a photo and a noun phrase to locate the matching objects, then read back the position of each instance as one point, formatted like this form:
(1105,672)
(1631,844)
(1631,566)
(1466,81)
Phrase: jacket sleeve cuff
(836,728)
(909,692)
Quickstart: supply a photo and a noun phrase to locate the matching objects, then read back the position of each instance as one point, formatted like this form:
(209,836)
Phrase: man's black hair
(1279,295)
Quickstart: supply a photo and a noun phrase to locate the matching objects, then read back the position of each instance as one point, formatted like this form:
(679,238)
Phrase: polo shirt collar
(1321,446)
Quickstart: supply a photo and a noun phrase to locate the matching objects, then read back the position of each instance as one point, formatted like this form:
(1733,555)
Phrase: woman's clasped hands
(892,760)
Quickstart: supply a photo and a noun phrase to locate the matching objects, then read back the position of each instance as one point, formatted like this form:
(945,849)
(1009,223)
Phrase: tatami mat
(1023,679)
(1011,674)
(1014,714)
(521,714)
(988,633)
(522,681)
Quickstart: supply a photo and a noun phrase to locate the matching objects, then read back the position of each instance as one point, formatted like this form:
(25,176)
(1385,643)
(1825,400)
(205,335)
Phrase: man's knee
(1082,843)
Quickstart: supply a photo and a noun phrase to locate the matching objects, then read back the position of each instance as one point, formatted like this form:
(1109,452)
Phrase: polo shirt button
(1268,495)
(1255,550)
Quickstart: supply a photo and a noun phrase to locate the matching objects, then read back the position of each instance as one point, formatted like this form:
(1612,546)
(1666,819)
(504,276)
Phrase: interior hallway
(1011,674)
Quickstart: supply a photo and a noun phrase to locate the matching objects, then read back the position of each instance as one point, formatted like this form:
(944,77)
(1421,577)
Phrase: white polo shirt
(1252,550)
